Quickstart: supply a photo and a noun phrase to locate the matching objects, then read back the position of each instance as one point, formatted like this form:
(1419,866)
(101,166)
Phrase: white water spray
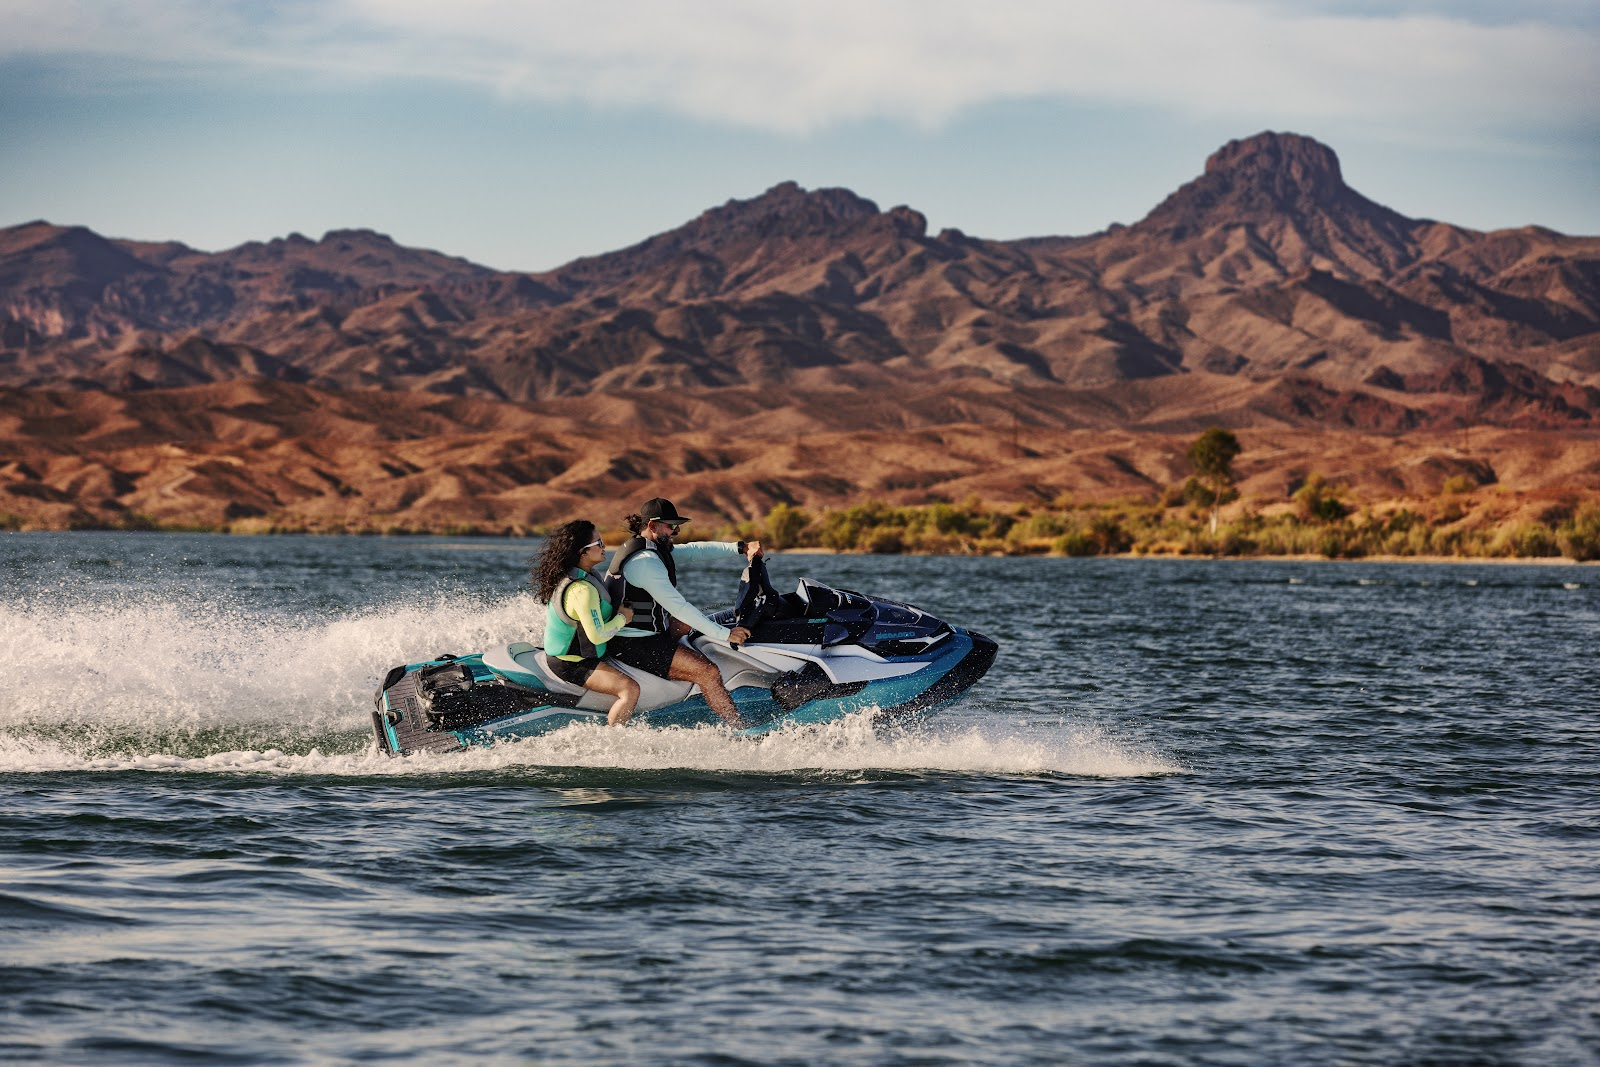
(204,687)
(143,667)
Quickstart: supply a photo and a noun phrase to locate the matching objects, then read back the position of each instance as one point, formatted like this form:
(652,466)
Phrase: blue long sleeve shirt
(646,571)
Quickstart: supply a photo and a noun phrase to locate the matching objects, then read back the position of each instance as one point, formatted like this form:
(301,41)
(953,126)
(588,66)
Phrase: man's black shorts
(653,655)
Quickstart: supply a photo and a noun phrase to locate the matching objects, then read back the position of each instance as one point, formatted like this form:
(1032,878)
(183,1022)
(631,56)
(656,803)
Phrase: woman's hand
(626,613)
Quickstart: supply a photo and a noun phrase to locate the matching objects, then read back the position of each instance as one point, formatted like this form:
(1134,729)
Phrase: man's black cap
(659,509)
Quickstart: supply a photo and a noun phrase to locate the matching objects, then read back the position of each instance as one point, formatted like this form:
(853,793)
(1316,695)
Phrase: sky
(521,134)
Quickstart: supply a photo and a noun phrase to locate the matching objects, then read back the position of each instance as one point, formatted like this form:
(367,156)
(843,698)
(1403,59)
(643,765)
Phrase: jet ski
(815,655)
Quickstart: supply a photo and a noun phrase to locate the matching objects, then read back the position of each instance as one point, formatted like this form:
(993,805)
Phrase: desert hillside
(254,455)
(800,347)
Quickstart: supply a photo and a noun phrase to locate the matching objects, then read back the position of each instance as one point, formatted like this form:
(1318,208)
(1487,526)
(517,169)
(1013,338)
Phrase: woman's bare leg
(613,683)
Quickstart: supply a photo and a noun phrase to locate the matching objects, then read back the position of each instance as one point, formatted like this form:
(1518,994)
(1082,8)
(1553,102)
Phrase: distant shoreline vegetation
(1462,522)
(1318,522)
(1204,516)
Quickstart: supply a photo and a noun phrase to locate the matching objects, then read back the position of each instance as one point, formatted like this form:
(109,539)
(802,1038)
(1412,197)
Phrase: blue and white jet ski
(815,655)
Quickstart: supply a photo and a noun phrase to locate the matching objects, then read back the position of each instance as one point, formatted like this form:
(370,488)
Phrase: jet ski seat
(522,663)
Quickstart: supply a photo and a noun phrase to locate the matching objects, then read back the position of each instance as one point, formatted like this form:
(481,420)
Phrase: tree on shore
(1212,454)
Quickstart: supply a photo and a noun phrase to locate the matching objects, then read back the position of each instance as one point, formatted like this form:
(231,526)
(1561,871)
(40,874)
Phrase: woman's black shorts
(573,671)
(653,655)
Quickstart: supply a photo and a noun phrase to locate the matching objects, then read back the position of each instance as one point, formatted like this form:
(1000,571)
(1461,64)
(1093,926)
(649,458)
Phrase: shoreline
(813,550)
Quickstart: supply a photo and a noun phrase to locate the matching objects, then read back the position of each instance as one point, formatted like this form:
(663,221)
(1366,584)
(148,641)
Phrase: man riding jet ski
(815,655)
(643,576)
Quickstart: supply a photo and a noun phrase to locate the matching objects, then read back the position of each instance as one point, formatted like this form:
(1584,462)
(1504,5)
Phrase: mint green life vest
(564,635)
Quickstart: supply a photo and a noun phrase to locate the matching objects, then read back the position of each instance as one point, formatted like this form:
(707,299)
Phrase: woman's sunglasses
(593,544)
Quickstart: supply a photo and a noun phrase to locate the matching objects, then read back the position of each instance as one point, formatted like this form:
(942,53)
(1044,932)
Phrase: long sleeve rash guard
(583,604)
(646,571)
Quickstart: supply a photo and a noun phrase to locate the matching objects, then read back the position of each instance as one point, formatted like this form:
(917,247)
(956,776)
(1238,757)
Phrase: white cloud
(795,68)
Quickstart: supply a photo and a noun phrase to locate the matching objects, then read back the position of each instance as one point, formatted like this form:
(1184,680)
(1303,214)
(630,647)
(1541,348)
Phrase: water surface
(1199,812)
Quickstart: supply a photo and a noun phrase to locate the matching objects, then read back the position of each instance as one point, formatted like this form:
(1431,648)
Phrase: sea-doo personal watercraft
(815,655)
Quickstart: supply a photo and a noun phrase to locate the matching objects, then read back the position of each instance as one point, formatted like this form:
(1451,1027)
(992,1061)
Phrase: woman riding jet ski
(814,655)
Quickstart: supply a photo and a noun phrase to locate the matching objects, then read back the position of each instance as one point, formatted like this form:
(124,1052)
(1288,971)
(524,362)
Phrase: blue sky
(523,133)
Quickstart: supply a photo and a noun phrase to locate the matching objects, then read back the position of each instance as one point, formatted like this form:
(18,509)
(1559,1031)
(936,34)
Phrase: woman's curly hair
(561,551)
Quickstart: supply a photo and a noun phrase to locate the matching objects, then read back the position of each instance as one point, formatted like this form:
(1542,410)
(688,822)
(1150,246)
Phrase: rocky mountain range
(1265,294)
(1269,284)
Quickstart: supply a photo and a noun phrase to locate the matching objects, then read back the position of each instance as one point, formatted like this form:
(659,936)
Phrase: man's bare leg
(690,666)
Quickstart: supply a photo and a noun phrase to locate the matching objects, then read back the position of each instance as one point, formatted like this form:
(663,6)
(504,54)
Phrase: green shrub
(1580,538)
(969,519)
(1401,520)
(137,520)
(884,540)
(845,530)
(1527,541)
(1075,543)
(1235,543)
(784,525)
(1422,541)
(1108,535)
(1197,494)
(1559,513)
(938,544)
(1448,542)
(1319,501)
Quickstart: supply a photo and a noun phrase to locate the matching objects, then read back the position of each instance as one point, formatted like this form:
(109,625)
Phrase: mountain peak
(357,234)
(785,214)
(40,253)
(788,210)
(1271,176)
(1301,162)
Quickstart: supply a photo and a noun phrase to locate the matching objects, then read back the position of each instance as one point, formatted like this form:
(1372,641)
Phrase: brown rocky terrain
(803,347)
(254,455)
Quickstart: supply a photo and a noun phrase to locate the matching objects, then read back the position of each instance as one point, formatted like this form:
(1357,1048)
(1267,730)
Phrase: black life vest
(647,614)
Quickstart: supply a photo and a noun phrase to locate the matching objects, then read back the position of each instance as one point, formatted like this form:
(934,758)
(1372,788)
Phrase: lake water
(1198,813)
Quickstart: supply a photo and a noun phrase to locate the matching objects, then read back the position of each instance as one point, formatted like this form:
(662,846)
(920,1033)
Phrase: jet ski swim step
(450,695)
(454,697)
